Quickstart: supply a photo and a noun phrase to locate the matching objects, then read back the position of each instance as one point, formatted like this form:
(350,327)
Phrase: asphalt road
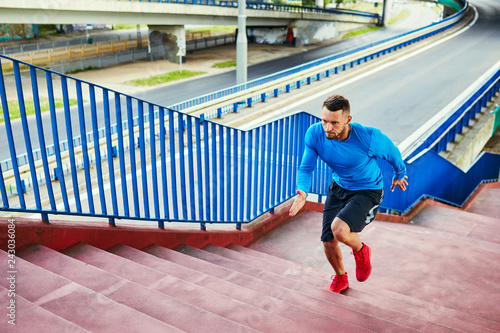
(420,16)
(402,97)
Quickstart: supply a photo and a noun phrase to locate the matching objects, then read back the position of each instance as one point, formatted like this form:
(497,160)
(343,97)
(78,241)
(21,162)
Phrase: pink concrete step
(431,266)
(28,317)
(160,306)
(461,223)
(386,317)
(241,293)
(370,298)
(216,303)
(331,309)
(77,304)
(384,298)
(457,276)
(487,201)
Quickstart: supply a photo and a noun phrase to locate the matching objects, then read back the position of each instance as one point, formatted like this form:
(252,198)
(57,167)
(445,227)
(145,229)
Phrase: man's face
(334,123)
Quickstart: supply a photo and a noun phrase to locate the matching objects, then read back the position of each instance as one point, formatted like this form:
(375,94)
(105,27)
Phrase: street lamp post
(241,44)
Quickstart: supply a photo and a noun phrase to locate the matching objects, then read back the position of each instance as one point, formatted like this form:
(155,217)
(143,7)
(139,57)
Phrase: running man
(356,190)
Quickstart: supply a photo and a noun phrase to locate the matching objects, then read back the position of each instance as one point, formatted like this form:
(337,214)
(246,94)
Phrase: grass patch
(390,21)
(14,111)
(128,26)
(162,78)
(225,64)
(360,32)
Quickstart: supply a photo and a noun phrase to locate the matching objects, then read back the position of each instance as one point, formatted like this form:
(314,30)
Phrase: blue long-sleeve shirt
(353,160)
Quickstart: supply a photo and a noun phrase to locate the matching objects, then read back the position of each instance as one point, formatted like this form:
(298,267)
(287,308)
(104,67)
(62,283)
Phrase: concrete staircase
(437,274)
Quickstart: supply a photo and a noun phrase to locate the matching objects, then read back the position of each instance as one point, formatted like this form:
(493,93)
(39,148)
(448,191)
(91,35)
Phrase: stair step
(77,304)
(450,265)
(216,303)
(303,300)
(157,305)
(32,318)
(459,222)
(373,295)
(352,292)
(487,201)
(240,293)
(429,266)
(367,315)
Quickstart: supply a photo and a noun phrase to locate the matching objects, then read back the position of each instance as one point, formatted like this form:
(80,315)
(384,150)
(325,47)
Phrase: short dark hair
(337,102)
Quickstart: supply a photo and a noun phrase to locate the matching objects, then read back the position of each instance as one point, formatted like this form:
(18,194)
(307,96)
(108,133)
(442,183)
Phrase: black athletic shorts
(356,208)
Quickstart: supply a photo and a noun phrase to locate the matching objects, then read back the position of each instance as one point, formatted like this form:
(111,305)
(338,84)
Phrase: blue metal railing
(22,159)
(148,162)
(270,6)
(180,168)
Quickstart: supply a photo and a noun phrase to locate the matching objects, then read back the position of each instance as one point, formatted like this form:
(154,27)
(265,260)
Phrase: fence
(48,56)
(129,55)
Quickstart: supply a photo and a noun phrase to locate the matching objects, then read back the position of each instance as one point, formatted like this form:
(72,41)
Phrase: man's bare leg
(334,256)
(342,233)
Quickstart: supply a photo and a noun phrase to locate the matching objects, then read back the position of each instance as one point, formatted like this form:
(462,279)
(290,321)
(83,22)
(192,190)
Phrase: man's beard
(336,136)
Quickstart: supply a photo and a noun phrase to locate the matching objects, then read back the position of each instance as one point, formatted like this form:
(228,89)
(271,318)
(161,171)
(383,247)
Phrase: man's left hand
(402,183)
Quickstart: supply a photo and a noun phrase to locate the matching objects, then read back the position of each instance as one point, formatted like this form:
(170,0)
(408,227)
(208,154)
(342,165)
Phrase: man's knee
(340,230)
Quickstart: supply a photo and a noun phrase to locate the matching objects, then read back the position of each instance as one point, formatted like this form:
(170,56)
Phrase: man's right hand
(299,202)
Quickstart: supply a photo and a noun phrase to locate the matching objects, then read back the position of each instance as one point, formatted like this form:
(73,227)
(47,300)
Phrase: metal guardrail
(268,6)
(205,173)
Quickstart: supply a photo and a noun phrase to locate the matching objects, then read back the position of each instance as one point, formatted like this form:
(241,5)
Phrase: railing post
(496,112)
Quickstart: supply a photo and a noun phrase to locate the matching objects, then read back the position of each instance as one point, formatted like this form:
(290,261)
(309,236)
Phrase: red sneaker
(339,283)
(363,263)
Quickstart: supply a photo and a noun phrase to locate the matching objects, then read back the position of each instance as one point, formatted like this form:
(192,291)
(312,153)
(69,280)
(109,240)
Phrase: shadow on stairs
(438,273)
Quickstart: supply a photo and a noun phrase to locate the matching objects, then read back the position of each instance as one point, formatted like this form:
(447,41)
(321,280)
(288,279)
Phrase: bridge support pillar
(167,42)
